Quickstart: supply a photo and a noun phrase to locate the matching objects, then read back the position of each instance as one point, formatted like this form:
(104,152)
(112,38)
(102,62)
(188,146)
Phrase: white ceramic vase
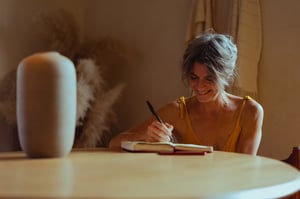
(46,105)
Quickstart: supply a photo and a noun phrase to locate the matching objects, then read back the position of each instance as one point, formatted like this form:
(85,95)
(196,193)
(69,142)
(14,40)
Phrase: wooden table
(100,173)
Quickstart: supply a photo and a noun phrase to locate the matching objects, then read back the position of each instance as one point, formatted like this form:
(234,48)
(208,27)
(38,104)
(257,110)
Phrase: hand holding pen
(155,129)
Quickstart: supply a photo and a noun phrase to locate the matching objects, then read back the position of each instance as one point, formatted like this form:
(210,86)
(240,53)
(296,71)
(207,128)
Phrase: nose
(200,84)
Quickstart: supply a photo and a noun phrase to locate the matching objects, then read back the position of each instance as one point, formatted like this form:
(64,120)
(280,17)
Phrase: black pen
(157,117)
(153,112)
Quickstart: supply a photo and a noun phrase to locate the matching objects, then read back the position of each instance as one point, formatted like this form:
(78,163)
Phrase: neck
(213,107)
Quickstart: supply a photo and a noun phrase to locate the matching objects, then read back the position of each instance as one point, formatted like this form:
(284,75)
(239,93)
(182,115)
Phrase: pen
(153,112)
(157,116)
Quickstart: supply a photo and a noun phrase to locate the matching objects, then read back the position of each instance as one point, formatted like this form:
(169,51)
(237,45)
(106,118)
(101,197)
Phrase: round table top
(101,173)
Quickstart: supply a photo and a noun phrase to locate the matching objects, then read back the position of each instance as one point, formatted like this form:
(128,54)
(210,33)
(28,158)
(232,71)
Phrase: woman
(211,116)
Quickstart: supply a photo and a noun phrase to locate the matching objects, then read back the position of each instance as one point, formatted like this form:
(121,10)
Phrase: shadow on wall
(9,140)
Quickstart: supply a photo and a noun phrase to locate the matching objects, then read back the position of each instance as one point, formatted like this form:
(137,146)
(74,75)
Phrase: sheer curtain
(242,20)
(201,18)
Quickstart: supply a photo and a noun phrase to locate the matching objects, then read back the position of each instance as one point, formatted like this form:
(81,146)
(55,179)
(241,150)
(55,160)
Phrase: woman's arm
(132,134)
(251,128)
(149,131)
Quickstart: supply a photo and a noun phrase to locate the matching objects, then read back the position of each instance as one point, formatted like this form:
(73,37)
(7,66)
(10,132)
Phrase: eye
(210,78)
(193,76)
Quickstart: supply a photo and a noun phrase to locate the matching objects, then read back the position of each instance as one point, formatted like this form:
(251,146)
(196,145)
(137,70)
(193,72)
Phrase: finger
(155,127)
(170,129)
(169,126)
(155,133)
(157,138)
(162,128)
(151,133)
(167,129)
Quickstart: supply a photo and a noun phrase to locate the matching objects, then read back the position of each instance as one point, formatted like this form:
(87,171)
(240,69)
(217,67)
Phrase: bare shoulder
(169,112)
(254,108)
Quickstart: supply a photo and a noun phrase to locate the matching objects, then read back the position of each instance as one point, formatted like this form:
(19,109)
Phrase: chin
(208,97)
(204,98)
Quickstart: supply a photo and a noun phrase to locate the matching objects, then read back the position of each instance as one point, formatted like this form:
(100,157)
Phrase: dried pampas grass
(94,106)
(96,130)
(89,82)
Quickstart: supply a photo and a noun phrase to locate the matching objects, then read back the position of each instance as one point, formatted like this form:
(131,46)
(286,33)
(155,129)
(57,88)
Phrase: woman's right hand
(157,132)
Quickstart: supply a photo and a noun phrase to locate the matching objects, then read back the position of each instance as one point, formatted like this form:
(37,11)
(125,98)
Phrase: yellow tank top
(191,136)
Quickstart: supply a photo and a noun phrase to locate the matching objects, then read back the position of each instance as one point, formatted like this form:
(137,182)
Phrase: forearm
(115,142)
(250,145)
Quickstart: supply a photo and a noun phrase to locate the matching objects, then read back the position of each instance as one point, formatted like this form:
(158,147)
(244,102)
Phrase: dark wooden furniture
(294,160)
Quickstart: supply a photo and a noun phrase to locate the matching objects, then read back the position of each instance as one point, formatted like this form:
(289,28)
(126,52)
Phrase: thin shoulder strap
(246,98)
(181,102)
(183,114)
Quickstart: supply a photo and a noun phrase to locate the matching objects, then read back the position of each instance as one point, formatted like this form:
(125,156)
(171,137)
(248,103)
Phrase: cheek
(214,86)
(192,84)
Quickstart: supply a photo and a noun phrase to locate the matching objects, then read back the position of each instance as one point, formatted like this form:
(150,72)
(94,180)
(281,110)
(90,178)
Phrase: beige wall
(279,80)
(153,32)
(19,27)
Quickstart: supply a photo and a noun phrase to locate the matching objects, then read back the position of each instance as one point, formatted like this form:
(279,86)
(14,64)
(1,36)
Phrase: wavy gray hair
(217,52)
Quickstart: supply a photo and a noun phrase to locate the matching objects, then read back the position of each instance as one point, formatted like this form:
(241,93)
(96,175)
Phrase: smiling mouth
(203,92)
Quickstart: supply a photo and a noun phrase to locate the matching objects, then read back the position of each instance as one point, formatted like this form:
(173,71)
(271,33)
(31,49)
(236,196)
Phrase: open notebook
(160,147)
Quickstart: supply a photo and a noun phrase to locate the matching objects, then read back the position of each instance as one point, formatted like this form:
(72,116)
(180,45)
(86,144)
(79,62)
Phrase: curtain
(200,19)
(242,20)
(246,28)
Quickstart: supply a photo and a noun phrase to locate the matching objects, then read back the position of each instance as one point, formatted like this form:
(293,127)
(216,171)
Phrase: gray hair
(217,52)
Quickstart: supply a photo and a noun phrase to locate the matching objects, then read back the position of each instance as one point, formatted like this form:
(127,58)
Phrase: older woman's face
(203,83)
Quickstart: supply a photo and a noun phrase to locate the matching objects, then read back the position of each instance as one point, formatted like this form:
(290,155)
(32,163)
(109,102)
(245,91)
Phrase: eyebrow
(192,73)
(208,75)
